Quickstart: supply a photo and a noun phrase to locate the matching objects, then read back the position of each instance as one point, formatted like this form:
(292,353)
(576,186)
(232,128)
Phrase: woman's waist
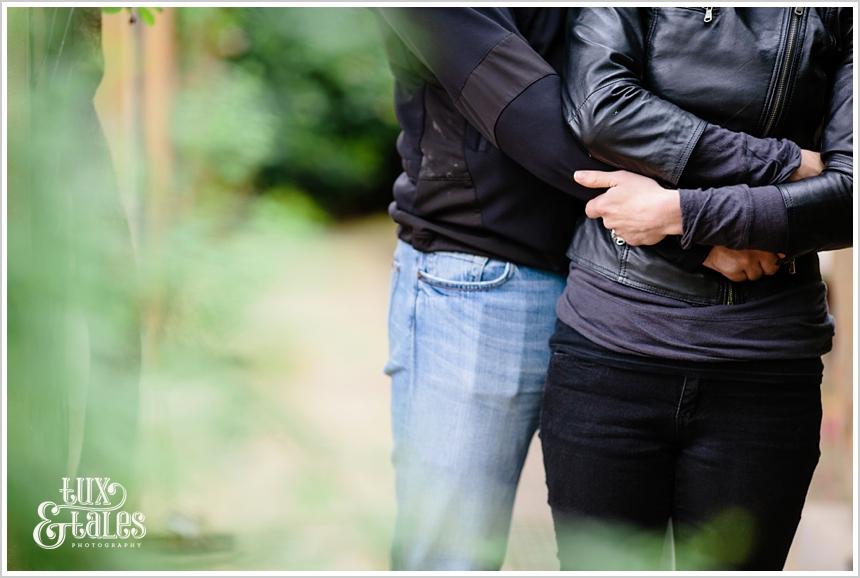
(594,249)
(788,325)
(569,340)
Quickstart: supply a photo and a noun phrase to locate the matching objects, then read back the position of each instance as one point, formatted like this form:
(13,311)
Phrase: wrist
(796,158)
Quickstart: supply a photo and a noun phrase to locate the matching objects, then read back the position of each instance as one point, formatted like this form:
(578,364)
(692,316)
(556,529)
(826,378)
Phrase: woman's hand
(742,265)
(634,207)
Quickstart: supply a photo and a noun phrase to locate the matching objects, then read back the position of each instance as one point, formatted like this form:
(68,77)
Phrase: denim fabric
(728,458)
(468,339)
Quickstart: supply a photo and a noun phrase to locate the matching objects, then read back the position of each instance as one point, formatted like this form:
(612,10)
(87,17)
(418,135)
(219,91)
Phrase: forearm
(792,218)
(532,131)
(502,87)
(724,157)
(812,214)
(618,119)
(736,216)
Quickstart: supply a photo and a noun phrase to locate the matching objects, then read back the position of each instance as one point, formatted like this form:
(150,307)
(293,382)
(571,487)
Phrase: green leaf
(111,10)
(147,16)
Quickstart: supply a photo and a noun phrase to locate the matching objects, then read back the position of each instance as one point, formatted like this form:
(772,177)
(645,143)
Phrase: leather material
(781,72)
(820,210)
(592,248)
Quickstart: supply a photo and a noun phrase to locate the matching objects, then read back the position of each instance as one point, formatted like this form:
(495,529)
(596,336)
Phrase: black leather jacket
(640,84)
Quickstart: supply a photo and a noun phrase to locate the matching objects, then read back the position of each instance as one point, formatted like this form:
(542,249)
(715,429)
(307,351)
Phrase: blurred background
(197,302)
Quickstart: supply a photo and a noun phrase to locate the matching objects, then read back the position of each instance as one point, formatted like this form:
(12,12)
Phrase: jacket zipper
(730,294)
(709,14)
(779,94)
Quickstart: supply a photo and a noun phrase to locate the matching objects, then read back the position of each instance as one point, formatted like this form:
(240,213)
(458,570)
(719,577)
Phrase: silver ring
(618,240)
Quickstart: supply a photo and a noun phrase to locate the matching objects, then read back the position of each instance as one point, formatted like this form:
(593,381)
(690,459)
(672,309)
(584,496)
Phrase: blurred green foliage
(159,363)
(303,99)
(73,326)
(147,15)
(223,130)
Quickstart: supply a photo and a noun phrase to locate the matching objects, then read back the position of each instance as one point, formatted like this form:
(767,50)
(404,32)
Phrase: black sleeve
(820,209)
(624,124)
(500,84)
(724,157)
(814,214)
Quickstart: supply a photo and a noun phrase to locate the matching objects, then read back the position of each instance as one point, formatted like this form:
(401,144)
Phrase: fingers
(757,265)
(593,209)
(769,266)
(767,261)
(743,265)
(754,271)
(729,263)
(596,179)
(738,276)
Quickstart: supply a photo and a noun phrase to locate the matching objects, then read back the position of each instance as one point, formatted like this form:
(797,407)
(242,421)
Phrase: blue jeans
(468,353)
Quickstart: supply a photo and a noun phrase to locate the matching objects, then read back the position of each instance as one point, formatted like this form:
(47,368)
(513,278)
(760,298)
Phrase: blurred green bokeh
(73,326)
(307,91)
(148,362)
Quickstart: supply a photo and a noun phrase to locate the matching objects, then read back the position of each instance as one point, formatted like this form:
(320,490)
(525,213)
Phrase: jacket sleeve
(622,123)
(820,209)
(814,214)
(500,85)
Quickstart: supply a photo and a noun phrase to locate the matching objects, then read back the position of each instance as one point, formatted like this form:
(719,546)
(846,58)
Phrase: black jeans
(726,452)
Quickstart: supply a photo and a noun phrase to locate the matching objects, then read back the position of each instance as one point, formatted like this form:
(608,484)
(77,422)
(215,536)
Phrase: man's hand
(636,208)
(742,265)
(810,166)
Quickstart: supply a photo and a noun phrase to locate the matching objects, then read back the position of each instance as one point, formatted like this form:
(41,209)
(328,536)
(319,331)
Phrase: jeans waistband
(567,339)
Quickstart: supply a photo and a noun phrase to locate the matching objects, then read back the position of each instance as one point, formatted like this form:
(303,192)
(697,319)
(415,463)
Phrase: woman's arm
(622,123)
(813,214)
